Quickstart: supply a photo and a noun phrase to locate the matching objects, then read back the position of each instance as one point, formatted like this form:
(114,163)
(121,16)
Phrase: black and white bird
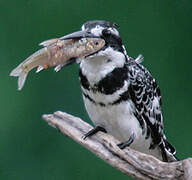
(120,95)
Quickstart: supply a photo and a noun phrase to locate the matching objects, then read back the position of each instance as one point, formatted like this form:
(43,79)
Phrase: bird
(120,95)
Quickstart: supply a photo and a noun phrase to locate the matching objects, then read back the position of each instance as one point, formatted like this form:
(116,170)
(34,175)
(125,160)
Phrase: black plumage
(129,84)
(141,91)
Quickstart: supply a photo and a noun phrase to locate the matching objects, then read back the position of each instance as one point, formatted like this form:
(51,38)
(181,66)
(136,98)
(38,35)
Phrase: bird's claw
(125,144)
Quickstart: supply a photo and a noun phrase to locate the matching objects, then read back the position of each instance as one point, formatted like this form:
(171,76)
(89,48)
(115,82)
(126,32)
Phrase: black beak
(79,35)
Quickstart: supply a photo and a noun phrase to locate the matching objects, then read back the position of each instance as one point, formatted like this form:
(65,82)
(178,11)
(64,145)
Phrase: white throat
(99,65)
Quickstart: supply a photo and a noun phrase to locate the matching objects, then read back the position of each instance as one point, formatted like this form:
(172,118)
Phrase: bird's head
(105,30)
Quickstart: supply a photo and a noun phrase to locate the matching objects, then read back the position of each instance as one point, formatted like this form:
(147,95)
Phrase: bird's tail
(168,152)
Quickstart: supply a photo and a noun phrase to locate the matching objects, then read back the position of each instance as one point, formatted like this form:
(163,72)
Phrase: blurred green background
(29,148)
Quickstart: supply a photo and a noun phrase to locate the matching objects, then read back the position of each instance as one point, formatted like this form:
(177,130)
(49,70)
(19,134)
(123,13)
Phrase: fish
(56,53)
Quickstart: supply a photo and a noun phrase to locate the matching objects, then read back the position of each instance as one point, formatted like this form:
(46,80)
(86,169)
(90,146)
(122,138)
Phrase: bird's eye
(106,32)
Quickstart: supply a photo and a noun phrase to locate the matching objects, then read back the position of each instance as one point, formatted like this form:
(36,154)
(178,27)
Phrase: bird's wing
(145,94)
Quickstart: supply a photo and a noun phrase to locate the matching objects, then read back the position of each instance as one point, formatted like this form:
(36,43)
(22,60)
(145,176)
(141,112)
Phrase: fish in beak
(59,52)
(79,35)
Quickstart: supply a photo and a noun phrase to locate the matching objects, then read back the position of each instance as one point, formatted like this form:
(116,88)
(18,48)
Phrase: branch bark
(133,163)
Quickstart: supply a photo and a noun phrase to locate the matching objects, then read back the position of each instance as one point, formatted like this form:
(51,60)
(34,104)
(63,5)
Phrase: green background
(29,148)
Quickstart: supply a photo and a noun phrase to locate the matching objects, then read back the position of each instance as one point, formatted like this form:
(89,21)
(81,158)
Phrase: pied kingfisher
(120,95)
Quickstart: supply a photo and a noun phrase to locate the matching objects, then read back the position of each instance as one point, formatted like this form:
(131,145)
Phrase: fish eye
(96,43)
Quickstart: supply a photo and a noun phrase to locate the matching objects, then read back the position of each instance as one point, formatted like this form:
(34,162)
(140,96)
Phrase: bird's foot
(127,143)
(94,131)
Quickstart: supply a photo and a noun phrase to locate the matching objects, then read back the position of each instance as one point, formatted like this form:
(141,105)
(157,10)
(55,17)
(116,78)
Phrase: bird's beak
(79,35)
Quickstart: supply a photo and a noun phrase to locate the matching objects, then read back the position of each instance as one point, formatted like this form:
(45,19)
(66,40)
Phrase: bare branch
(135,164)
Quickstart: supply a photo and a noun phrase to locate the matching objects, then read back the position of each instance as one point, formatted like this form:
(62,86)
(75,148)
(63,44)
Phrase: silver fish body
(56,52)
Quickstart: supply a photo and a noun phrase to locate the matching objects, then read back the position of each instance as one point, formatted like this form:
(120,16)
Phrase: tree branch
(133,163)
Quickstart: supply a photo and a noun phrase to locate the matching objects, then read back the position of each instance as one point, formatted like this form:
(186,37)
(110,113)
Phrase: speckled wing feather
(145,94)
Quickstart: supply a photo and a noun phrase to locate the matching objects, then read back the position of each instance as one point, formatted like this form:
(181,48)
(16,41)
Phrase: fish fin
(18,72)
(39,68)
(58,68)
(48,42)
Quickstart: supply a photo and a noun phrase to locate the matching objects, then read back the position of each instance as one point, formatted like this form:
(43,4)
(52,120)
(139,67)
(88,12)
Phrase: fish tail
(21,74)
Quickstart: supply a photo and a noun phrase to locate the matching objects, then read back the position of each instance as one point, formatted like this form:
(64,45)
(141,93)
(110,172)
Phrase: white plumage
(121,96)
(118,120)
